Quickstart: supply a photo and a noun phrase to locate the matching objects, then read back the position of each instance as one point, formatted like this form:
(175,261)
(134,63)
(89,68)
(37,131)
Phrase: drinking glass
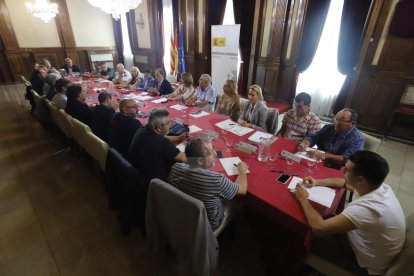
(311,164)
(289,162)
(229,144)
(319,157)
(272,157)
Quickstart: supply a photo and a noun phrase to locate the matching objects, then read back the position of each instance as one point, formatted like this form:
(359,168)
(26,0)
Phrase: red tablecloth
(265,195)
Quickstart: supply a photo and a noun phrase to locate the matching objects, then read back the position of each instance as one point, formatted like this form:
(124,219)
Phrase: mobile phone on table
(332,165)
(219,154)
(283,178)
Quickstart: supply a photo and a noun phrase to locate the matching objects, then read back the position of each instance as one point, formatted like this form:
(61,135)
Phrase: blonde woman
(229,102)
(184,91)
(136,79)
(254,113)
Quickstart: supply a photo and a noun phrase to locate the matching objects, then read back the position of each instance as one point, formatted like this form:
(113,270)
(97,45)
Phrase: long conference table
(265,195)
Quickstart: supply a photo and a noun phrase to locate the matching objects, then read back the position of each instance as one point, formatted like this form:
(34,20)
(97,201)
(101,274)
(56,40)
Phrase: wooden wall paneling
(154,18)
(397,54)
(83,60)
(255,75)
(64,26)
(187,17)
(200,56)
(26,62)
(287,72)
(5,71)
(6,28)
(377,97)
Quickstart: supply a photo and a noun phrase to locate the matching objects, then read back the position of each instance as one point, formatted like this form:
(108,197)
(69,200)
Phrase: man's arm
(282,131)
(242,178)
(181,157)
(336,224)
(328,182)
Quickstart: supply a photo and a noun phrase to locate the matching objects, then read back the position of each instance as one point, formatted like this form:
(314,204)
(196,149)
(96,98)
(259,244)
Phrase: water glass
(289,163)
(264,150)
(229,144)
(311,164)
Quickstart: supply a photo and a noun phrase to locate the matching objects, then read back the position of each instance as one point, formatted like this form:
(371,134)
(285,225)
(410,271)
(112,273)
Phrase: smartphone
(219,154)
(283,178)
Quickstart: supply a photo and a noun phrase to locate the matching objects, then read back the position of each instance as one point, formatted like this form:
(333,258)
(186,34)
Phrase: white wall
(31,32)
(91,26)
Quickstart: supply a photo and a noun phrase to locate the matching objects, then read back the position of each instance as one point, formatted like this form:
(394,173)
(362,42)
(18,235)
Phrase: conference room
(302,109)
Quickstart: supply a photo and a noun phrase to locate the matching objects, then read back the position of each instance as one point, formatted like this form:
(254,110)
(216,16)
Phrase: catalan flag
(174,52)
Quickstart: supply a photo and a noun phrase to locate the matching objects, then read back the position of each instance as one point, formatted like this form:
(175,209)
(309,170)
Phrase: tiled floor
(54,218)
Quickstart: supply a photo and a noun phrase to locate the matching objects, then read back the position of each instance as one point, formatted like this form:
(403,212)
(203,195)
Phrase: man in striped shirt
(300,121)
(212,188)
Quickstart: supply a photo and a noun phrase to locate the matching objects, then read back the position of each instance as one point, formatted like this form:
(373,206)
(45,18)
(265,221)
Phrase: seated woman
(229,102)
(162,86)
(147,80)
(184,91)
(135,81)
(254,113)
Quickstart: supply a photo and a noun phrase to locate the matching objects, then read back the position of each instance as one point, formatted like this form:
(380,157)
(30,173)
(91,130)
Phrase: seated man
(70,67)
(212,188)
(49,88)
(123,126)
(147,82)
(76,106)
(60,98)
(162,85)
(38,79)
(102,115)
(151,152)
(122,75)
(205,95)
(300,121)
(339,140)
(106,72)
(374,223)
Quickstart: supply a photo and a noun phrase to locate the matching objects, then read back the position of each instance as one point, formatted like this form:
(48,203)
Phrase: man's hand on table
(303,145)
(242,167)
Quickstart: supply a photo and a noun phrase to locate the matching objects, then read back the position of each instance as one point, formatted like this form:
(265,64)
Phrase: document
(258,135)
(318,194)
(304,154)
(194,128)
(178,107)
(233,127)
(230,165)
(199,114)
(160,100)
(181,146)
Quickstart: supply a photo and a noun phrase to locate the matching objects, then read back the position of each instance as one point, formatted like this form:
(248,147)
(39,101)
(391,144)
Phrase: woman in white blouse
(184,91)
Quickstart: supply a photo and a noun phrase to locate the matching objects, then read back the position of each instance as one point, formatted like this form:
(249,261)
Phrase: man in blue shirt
(339,140)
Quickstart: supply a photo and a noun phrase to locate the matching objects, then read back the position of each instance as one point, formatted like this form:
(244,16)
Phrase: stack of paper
(230,165)
(318,194)
(160,100)
(233,127)
(199,114)
(178,107)
(258,135)
(194,128)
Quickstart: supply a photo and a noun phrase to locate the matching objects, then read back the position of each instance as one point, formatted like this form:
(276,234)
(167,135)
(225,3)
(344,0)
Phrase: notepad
(318,194)
(160,100)
(181,146)
(194,128)
(199,114)
(233,127)
(178,107)
(229,167)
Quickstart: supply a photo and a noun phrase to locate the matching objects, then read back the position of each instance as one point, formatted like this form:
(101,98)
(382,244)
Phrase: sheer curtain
(322,79)
(128,57)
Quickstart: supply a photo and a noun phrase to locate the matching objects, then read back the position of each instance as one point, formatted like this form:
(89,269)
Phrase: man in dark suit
(76,106)
(102,115)
(70,67)
(163,86)
(123,126)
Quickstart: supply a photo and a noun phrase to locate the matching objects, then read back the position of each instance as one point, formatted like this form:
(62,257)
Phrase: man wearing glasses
(339,140)
(152,151)
(123,126)
(212,188)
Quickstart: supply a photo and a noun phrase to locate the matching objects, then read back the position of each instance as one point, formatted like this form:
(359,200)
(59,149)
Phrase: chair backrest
(179,221)
(58,118)
(35,96)
(272,120)
(371,143)
(403,264)
(79,131)
(96,148)
(243,102)
(25,81)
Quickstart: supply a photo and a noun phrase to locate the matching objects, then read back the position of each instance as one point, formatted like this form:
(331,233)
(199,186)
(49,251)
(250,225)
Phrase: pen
(235,165)
(277,171)
(232,124)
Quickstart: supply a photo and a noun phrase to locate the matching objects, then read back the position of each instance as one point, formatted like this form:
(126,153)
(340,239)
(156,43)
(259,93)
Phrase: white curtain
(128,57)
(167,17)
(322,79)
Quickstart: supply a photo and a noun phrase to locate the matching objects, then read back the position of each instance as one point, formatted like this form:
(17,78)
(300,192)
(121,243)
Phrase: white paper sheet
(181,146)
(226,124)
(178,107)
(229,165)
(258,135)
(318,194)
(199,114)
(160,100)
(233,127)
(194,128)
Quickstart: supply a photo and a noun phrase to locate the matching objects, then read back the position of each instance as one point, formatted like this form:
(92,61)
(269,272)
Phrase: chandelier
(43,9)
(115,7)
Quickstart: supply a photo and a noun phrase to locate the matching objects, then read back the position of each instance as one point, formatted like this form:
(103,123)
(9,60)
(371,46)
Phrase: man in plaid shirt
(299,122)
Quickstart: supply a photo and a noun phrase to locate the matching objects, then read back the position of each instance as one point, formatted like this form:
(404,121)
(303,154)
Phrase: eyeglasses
(341,120)
(132,106)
